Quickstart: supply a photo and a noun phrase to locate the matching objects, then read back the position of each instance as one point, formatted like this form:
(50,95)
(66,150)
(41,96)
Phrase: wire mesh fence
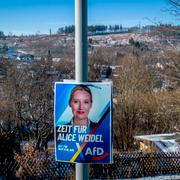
(126,165)
(138,164)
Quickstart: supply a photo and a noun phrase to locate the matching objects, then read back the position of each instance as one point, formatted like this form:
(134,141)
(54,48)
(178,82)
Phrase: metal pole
(81,70)
(81,67)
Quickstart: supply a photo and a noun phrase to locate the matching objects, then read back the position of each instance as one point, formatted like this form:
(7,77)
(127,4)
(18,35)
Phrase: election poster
(82,122)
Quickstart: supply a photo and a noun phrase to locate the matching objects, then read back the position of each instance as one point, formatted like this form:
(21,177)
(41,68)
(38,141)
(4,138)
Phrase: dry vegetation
(145,75)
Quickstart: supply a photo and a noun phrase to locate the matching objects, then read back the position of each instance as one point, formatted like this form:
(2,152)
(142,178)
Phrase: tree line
(92,28)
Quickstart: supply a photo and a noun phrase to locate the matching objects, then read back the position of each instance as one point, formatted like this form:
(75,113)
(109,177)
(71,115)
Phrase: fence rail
(126,165)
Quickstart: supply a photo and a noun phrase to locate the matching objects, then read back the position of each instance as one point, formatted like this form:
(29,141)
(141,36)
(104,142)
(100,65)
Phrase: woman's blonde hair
(81,88)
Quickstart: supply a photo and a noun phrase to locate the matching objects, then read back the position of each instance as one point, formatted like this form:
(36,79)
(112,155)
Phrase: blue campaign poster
(82,122)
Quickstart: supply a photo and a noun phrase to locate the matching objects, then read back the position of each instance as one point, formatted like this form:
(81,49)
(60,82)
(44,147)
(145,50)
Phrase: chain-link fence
(126,165)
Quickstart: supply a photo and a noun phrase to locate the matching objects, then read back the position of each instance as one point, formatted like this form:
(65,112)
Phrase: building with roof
(159,142)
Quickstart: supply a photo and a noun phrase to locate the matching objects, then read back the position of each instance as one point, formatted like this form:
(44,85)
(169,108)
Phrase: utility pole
(81,65)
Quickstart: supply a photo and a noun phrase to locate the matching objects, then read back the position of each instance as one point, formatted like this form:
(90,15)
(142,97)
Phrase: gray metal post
(81,68)
(81,65)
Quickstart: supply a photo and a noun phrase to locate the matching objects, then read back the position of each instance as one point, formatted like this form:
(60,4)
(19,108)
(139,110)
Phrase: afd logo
(97,153)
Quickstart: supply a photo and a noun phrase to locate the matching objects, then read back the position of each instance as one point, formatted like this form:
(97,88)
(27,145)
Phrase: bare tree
(40,105)
(175,7)
(14,90)
(99,64)
(28,101)
(133,81)
(172,73)
(140,110)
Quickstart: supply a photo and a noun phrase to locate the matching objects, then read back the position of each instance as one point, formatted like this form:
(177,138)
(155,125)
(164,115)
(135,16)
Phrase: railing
(126,165)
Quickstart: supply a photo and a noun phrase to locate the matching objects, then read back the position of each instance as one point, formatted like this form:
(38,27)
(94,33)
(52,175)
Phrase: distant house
(159,142)
(27,57)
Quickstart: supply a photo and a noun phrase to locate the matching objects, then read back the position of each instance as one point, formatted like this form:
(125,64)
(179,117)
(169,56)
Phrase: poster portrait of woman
(82,120)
